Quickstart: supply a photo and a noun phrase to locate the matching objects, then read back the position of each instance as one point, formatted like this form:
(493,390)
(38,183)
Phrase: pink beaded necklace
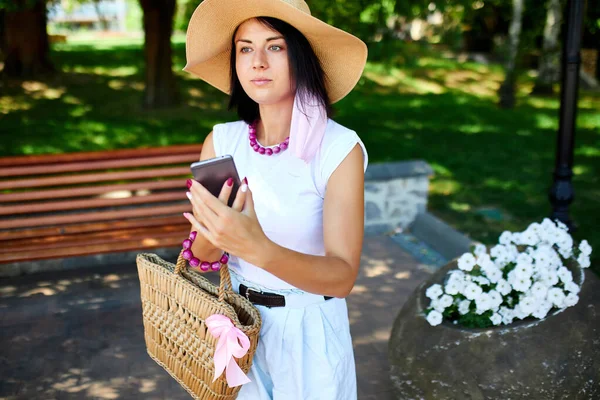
(268,151)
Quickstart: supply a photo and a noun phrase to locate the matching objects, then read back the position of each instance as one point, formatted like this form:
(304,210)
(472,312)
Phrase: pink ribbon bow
(308,127)
(232,343)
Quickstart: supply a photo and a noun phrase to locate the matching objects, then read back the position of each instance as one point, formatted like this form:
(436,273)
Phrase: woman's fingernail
(230,182)
(246,180)
(187,215)
(189,195)
(244,188)
(189,183)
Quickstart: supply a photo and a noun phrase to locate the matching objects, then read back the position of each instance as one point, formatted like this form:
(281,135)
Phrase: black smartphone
(213,173)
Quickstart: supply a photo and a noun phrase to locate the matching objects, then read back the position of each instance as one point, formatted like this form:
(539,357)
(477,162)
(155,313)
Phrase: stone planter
(554,358)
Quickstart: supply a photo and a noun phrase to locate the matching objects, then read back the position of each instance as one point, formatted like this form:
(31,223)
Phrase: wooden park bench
(58,206)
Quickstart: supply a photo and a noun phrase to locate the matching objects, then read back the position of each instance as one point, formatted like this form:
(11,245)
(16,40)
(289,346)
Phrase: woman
(294,232)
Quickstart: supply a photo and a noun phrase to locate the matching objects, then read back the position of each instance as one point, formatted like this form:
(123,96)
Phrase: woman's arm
(343,227)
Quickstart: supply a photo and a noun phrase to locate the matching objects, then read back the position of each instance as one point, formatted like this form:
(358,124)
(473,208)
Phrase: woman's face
(262,64)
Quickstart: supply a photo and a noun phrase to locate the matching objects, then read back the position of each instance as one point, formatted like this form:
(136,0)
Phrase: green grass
(419,106)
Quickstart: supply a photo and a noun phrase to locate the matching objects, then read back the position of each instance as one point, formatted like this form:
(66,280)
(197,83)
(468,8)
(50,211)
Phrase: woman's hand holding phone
(224,195)
(234,229)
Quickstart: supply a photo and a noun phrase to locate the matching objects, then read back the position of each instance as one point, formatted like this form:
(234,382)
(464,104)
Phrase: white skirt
(303,353)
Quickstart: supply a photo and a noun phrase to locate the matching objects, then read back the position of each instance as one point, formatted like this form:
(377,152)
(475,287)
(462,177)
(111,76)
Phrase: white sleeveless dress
(303,353)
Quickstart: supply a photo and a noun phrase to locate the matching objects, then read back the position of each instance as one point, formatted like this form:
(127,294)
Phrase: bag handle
(225,285)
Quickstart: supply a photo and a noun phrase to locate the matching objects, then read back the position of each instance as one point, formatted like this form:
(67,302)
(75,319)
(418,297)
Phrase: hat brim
(208,42)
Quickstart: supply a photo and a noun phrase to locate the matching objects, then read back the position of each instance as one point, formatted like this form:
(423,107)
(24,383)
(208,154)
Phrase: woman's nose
(260,60)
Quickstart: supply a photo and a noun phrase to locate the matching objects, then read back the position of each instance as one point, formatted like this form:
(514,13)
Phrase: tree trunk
(597,72)
(26,47)
(161,90)
(506,92)
(549,68)
(101,16)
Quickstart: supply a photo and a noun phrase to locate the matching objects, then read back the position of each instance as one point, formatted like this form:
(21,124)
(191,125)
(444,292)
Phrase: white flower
(507,315)
(512,252)
(571,299)
(556,296)
(550,279)
(496,319)
(519,283)
(520,313)
(472,291)
(583,260)
(434,318)
(466,262)
(524,258)
(479,249)
(572,287)
(481,280)
(498,251)
(548,225)
(585,248)
(484,303)
(505,238)
(503,287)
(534,227)
(529,238)
(516,238)
(484,260)
(463,307)
(539,290)
(494,274)
(528,304)
(453,286)
(434,291)
(565,252)
(445,301)
(524,270)
(435,304)
(540,313)
(496,298)
(565,275)
(565,241)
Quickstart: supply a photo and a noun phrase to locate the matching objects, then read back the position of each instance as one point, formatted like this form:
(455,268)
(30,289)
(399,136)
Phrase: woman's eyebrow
(268,39)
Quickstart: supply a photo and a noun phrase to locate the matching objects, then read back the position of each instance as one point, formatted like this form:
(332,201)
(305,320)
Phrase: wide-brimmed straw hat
(208,41)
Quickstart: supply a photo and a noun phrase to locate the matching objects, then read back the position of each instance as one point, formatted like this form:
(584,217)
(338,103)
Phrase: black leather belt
(265,298)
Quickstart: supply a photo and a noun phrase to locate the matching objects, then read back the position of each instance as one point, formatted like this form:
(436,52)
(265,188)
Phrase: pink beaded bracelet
(195,262)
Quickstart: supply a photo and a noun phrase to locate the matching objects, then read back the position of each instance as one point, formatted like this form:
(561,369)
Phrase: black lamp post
(562,193)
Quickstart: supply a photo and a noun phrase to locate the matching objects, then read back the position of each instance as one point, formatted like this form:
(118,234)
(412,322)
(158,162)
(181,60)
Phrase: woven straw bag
(175,303)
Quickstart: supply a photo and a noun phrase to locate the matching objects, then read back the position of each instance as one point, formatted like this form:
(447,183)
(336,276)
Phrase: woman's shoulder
(335,130)
(337,143)
(226,135)
(232,126)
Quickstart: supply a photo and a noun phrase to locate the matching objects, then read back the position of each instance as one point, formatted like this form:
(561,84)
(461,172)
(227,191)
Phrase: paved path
(79,334)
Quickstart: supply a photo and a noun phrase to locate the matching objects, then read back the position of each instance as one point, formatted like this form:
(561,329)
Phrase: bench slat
(84,228)
(90,203)
(98,165)
(96,216)
(88,191)
(171,240)
(93,178)
(99,155)
(63,241)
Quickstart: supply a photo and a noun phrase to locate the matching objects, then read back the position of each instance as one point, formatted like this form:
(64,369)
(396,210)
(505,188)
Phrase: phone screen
(213,173)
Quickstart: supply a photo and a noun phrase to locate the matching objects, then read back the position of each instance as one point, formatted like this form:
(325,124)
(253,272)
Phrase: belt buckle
(256,290)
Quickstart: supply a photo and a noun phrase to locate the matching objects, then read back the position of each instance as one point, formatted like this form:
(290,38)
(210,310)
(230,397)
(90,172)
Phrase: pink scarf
(307,128)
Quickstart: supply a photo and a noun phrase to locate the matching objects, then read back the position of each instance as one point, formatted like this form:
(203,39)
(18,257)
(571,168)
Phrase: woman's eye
(276,48)
(243,49)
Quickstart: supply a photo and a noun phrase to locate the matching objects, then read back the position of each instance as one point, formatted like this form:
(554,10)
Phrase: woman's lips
(261,82)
